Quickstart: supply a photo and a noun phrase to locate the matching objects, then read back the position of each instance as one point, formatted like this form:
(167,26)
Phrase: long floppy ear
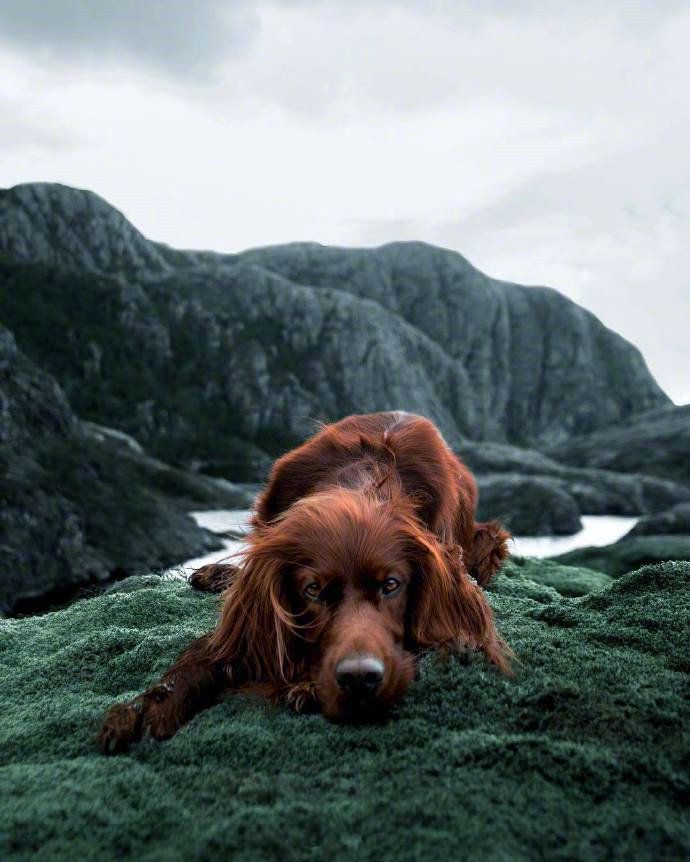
(256,633)
(449,609)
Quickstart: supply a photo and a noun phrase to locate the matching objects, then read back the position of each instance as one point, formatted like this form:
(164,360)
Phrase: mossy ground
(582,755)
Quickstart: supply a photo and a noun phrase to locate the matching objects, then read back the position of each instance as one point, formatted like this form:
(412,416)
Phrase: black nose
(359,675)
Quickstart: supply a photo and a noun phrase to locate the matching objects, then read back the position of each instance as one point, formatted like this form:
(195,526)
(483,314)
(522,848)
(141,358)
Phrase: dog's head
(342,590)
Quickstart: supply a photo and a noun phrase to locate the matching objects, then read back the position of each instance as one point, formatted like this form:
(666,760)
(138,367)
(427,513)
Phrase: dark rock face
(655,442)
(77,507)
(221,359)
(72,229)
(674,521)
(537,365)
(529,505)
(537,496)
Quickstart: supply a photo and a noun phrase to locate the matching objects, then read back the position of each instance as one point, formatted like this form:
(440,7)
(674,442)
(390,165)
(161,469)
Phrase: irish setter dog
(363,551)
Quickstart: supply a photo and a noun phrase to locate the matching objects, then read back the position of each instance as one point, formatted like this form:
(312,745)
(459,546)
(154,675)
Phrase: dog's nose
(359,675)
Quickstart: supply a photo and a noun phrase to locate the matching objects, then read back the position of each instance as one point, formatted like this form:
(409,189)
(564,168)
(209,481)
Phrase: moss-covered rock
(582,755)
(528,505)
(567,580)
(628,553)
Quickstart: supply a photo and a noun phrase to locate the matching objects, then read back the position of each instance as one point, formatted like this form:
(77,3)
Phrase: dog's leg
(192,684)
(213,578)
(489,550)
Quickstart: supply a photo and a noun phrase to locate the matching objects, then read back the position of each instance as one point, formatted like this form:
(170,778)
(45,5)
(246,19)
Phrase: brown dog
(363,550)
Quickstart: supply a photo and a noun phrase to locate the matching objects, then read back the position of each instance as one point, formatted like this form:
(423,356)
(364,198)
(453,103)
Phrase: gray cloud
(185,38)
(322,58)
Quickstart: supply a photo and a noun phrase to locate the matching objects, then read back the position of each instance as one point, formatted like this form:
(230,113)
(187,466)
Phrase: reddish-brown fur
(363,546)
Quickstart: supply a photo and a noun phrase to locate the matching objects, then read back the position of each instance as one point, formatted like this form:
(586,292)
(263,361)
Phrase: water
(235,521)
(596,530)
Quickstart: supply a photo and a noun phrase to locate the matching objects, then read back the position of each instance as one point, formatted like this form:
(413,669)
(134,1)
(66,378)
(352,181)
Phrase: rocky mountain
(656,442)
(80,504)
(218,363)
(224,360)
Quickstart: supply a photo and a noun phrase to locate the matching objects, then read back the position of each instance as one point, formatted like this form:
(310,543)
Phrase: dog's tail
(489,550)
(213,578)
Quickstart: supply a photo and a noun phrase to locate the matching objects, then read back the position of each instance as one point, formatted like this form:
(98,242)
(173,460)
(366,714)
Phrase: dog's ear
(256,633)
(448,608)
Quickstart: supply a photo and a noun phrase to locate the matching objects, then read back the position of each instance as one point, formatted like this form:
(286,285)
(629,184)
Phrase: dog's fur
(363,544)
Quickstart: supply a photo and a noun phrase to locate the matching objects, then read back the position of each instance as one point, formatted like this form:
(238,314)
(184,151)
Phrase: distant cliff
(656,442)
(224,360)
(79,504)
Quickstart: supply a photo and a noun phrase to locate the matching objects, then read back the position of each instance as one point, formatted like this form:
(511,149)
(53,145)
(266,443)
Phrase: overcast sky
(547,142)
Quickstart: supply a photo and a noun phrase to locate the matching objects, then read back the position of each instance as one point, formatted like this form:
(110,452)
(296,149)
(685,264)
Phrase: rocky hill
(220,362)
(223,360)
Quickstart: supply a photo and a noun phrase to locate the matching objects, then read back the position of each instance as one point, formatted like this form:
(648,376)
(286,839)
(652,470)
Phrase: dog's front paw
(122,725)
(149,715)
(303,697)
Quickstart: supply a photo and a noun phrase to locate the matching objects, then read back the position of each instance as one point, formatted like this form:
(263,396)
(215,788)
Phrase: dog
(363,551)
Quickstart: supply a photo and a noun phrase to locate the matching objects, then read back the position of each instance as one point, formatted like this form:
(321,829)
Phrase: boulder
(518,484)
(528,505)
(596,491)
(674,521)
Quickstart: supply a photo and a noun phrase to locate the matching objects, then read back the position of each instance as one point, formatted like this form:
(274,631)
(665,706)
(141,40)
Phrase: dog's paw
(147,716)
(122,725)
(302,697)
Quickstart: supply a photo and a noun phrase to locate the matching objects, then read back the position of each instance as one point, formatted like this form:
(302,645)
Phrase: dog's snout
(359,675)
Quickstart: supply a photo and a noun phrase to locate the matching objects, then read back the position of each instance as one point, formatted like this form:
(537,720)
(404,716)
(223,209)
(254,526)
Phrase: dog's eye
(312,590)
(390,586)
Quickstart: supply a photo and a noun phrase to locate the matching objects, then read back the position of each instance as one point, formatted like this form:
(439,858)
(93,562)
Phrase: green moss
(582,755)
(566,580)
